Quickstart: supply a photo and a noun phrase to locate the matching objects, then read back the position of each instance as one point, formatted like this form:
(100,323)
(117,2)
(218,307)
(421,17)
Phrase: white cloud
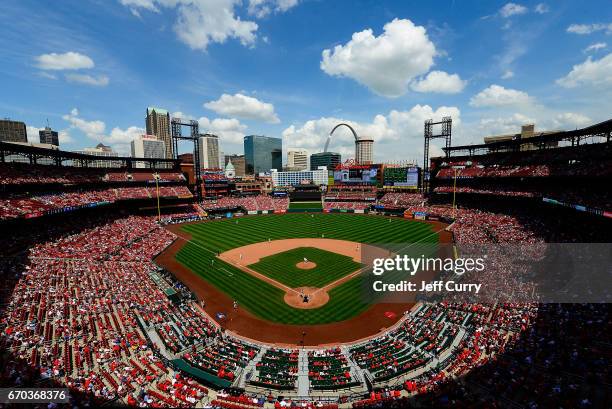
(512,9)
(201,22)
(143,4)
(64,137)
(507,74)
(497,96)
(93,129)
(595,47)
(230,130)
(118,138)
(45,74)
(583,29)
(99,81)
(66,61)
(504,125)
(403,128)
(123,136)
(591,72)
(32,133)
(542,8)
(261,8)
(440,82)
(243,106)
(569,120)
(386,64)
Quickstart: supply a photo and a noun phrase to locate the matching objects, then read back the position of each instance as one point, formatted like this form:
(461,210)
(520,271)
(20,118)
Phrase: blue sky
(294,68)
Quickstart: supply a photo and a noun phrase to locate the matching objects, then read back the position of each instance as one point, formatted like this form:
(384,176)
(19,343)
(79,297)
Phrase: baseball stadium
(123,286)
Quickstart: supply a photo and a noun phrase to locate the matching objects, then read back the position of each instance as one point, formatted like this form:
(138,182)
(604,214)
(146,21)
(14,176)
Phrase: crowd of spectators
(21,205)
(277,369)
(347,205)
(248,203)
(399,199)
(25,173)
(86,302)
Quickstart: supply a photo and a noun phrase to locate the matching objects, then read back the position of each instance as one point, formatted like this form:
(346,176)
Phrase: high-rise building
(147,146)
(158,124)
(13,131)
(364,151)
(102,151)
(262,153)
(49,136)
(238,162)
(297,159)
(209,152)
(327,159)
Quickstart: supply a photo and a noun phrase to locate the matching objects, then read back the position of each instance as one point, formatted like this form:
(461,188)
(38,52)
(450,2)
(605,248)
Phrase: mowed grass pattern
(283,268)
(265,300)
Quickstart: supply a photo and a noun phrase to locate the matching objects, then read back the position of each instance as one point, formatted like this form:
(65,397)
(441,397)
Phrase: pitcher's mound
(316,297)
(306,266)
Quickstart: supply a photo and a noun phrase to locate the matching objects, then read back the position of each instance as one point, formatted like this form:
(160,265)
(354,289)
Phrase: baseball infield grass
(263,299)
(282,267)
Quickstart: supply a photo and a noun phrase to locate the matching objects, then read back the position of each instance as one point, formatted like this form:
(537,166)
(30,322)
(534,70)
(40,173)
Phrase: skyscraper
(297,159)
(49,136)
(262,153)
(13,131)
(364,151)
(158,124)
(147,146)
(209,152)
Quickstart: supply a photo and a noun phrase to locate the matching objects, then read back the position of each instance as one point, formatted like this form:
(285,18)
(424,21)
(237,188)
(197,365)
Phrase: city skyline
(294,69)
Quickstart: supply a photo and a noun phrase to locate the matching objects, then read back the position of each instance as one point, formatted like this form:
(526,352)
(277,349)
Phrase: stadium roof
(542,139)
(7,148)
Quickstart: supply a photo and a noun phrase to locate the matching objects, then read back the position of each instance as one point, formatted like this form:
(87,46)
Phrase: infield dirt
(246,325)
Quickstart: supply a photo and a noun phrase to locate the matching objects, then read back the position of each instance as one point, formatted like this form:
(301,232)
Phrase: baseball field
(248,260)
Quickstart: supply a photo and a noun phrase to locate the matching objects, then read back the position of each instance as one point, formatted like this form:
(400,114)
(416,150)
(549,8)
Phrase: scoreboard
(407,177)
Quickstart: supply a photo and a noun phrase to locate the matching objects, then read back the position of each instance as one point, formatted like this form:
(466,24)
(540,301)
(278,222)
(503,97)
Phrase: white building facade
(209,152)
(297,159)
(292,178)
(148,146)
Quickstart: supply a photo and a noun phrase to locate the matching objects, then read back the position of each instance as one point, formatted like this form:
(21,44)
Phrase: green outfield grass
(305,205)
(283,268)
(263,299)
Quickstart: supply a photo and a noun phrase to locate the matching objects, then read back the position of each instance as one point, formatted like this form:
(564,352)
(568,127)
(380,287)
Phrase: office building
(262,153)
(327,159)
(13,131)
(293,178)
(48,136)
(158,124)
(102,151)
(209,152)
(238,163)
(364,151)
(297,159)
(147,146)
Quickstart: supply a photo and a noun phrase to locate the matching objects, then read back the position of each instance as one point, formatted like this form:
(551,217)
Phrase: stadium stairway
(303,381)
(356,372)
(249,370)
